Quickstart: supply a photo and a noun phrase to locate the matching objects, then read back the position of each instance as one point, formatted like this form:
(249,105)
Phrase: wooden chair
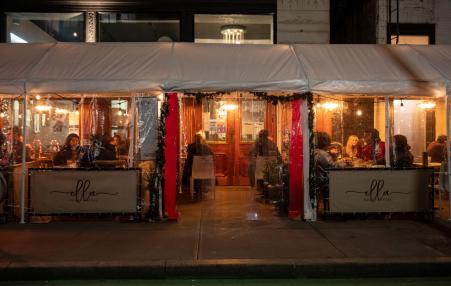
(204,169)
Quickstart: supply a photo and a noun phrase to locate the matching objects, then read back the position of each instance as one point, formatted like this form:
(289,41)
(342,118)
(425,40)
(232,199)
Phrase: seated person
(4,155)
(17,141)
(69,152)
(99,150)
(263,146)
(335,150)
(353,148)
(403,157)
(374,149)
(323,158)
(119,146)
(324,161)
(197,148)
(437,149)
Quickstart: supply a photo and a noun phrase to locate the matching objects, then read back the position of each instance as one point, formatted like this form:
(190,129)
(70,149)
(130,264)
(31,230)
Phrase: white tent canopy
(369,69)
(236,67)
(16,64)
(111,67)
(116,67)
(101,67)
(439,57)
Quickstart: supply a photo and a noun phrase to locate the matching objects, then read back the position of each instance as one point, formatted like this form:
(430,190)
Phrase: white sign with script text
(386,190)
(84,191)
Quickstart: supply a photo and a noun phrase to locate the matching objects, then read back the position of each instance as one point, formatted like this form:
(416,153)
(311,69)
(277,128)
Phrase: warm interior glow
(329,105)
(61,111)
(411,40)
(426,105)
(43,107)
(229,107)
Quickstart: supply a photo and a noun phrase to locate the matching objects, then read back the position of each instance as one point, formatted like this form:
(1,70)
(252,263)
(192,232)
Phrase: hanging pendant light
(233,34)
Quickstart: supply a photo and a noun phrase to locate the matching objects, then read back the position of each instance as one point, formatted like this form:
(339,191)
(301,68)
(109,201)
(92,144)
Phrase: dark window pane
(123,27)
(45,27)
(233,29)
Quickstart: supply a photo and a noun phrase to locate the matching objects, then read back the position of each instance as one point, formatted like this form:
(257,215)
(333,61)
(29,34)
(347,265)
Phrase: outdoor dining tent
(440,58)
(177,67)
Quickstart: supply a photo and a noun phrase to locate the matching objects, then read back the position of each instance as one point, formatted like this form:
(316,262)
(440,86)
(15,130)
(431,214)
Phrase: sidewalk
(232,236)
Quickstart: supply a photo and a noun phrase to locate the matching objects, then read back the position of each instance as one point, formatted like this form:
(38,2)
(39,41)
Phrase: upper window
(410,40)
(44,27)
(233,29)
(128,27)
(411,34)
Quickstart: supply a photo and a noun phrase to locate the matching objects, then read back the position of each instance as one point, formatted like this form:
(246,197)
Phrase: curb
(231,268)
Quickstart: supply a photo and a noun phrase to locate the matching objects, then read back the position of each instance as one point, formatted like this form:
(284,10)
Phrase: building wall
(417,12)
(443,20)
(303,21)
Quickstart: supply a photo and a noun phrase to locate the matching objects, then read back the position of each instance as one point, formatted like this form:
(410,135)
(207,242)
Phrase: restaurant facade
(135,108)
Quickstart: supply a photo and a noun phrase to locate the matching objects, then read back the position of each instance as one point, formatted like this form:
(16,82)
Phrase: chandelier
(233,34)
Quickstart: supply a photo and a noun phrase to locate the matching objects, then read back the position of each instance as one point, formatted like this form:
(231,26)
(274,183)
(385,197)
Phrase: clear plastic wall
(346,122)
(89,131)
(11,153)
(353,123)
(239,131)
(361,131)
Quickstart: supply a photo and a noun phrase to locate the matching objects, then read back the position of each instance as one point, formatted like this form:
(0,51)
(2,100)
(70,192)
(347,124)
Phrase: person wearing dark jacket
(403,156)
(69,152)
(197,148)
(263,147)
(437,149)
(99,150)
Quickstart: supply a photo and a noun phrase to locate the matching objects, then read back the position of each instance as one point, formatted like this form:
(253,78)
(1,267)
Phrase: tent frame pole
(448,147)
(24,156)
(387,131)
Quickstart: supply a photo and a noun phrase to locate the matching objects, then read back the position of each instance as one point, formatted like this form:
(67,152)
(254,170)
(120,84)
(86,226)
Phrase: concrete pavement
(232,236)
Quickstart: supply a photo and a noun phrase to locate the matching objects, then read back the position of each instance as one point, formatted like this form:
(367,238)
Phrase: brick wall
(303,21)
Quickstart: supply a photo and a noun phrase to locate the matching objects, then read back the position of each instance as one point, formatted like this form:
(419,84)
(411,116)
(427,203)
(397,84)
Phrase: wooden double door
(231,126)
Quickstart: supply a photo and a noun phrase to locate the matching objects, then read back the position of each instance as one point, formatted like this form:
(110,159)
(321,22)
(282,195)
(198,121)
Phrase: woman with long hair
(403,156)
(353,149)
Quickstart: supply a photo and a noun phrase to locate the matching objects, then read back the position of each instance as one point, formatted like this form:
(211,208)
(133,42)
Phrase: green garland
(157,182)
(312,175)
(274,99)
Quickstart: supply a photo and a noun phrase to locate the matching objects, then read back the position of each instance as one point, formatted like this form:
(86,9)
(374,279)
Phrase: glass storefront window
(130,27)
(214,120)
(253,114)
(233,29)
(45,27)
